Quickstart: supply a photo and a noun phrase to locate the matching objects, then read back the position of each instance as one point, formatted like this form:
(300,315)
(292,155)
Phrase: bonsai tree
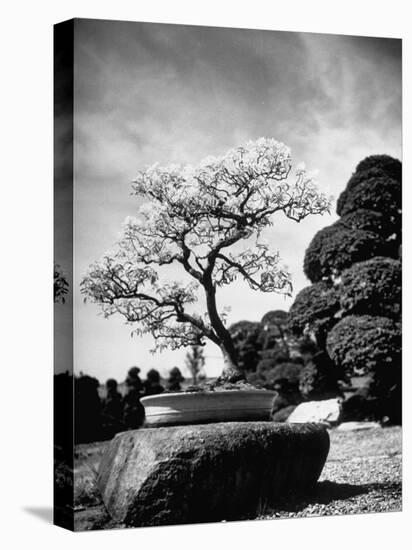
(198,218)
(195,362)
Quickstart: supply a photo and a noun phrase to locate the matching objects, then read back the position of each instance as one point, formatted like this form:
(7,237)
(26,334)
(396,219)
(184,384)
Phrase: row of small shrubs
(99,418)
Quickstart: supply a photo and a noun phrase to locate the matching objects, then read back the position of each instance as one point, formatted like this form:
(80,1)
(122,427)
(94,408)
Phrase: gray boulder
(208,472)
(327,412)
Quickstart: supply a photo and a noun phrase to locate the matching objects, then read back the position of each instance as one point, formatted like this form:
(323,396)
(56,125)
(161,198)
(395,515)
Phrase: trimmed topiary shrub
(381,194)
(246,337)
(368,220)
(268,374)
(391,166)
(319,379)
(335,248)
(372,287)
(314,310)
(275,318)
(363,175)
(285,371)
(362,344)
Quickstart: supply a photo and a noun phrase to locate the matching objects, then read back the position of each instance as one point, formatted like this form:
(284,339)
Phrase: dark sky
(148,93)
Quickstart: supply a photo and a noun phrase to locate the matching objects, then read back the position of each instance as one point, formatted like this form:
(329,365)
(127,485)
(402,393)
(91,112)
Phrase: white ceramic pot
(202,407)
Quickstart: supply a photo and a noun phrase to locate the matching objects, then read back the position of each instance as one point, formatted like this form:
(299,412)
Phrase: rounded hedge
(246,339)
(363,175)
(372,287)
(368,220)
(335,248)
(314,309)
(283,371)
(391,166)
(380,194)
(362,344)
(319,379)
(275,317)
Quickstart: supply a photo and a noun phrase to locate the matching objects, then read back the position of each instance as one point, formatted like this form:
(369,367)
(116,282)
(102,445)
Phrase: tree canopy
(368,220)
(195,362)
(372,287)
(336,247)
(314,310)
(360,344)
(380,194)
(389,165)
(247,340)
(192,216)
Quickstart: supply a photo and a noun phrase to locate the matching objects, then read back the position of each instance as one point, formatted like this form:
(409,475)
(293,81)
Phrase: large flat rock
(208,472)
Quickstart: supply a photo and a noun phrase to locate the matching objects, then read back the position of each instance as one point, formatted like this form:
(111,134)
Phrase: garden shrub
(381,194)
(175,379)
(335,248)
(246,339)
(363,344)
(372,287)
(319,379)
(368,220)
(314,309)
(362,175)
(87,409)
(391,166)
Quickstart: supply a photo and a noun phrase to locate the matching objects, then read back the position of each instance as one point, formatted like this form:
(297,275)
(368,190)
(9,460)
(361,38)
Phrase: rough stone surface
(326,412)
(208,472)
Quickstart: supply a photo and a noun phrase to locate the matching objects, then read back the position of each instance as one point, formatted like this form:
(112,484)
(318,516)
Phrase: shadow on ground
(327,492)
(44,513)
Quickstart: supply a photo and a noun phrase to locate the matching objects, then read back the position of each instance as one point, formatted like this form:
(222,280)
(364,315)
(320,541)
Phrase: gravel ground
(363,474)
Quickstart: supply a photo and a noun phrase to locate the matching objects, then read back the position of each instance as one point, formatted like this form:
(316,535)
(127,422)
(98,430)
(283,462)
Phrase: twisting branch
(191,217)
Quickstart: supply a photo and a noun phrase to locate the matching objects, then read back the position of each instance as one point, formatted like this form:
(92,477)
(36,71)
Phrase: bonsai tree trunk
(231,372)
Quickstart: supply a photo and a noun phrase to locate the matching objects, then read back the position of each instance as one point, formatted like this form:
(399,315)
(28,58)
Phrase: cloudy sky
(150,92)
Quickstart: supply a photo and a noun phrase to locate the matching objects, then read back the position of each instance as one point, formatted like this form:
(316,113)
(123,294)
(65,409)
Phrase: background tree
(174,382)
(314,311)
(195,362)
(192,217)
(272,349)
(372,287)
(246,336)
(152,385)
(60,285)
(87,409)
(354,303)
(334,248)
(133,410)
(319,378)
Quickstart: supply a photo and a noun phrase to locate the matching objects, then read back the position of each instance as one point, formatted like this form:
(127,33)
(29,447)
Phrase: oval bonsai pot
(173,409)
